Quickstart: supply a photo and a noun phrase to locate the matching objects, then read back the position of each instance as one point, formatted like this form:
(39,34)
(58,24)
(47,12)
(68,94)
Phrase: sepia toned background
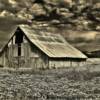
(78,21)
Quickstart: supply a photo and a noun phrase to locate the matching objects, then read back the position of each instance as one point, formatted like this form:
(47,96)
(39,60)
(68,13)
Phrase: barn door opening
(19,41)
(19,49)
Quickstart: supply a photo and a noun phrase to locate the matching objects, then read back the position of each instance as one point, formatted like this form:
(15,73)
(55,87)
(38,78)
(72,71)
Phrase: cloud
(79,36)
(7,22)
(14,5)
(9,10)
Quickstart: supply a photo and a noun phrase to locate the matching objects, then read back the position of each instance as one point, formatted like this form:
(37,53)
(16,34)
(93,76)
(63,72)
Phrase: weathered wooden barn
(29,47)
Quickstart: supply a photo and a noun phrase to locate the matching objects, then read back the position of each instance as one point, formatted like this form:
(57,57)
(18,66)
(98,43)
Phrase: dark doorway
(19,49)
(19,40)
(19,36)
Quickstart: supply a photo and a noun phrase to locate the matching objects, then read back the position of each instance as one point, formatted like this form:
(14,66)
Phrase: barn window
(19,40)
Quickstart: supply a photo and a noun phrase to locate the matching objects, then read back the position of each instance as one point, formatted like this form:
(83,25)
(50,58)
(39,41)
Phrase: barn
(28,47)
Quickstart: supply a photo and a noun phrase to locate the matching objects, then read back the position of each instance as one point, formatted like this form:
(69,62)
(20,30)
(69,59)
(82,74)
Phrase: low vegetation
(53,84)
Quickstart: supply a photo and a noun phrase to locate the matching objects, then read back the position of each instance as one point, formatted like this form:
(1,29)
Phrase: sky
(8,13)
(9,10)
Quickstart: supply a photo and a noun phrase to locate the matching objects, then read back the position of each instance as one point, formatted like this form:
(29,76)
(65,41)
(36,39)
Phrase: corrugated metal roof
(53,45)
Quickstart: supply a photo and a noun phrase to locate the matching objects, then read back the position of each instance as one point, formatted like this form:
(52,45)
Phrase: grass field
(55,84)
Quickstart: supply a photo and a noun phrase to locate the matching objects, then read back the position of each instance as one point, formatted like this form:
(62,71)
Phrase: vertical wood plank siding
(32,57)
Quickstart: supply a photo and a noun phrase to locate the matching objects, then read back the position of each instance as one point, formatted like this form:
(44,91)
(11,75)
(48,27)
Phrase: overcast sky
(15,6)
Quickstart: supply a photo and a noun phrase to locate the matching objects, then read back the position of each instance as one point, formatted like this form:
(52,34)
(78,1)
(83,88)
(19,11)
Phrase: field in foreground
(55,84)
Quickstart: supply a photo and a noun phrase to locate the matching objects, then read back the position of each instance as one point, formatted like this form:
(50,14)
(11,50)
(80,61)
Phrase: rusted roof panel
(54,45)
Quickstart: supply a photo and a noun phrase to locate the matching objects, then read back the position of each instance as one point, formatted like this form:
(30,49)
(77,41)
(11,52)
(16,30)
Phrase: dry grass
(54,84)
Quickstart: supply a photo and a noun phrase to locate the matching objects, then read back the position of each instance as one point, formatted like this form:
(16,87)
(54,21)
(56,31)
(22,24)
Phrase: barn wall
(82,63)
(58,64)
(37,58)
(14,59)
(0,61)
(4,59)
(65,63)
